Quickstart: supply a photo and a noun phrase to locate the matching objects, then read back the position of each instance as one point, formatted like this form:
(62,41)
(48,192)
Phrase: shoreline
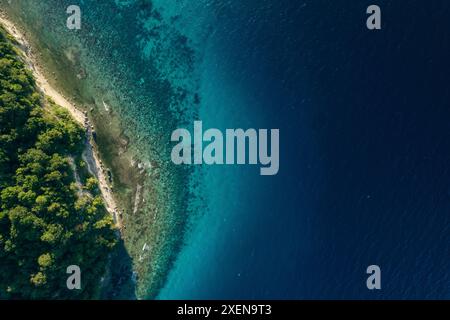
(151,194)
(90,154)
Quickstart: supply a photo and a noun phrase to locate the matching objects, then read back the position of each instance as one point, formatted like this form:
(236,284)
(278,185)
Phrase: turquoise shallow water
(227,190)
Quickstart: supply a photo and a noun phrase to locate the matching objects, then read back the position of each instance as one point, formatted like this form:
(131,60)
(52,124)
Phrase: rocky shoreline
(90,154)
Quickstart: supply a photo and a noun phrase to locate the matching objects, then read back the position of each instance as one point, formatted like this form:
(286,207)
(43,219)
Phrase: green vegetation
(48,219)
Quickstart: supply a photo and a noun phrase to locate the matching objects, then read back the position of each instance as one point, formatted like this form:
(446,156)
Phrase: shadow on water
(120,283)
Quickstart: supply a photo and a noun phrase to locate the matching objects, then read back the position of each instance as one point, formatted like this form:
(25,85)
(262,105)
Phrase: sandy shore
(90,155)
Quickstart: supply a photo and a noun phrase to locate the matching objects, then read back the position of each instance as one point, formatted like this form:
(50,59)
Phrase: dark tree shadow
(120,285)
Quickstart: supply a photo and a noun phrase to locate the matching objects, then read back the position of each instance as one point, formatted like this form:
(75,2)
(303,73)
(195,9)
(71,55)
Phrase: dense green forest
(51,212)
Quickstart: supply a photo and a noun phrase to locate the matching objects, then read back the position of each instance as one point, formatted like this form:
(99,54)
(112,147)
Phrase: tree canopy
(46,223)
